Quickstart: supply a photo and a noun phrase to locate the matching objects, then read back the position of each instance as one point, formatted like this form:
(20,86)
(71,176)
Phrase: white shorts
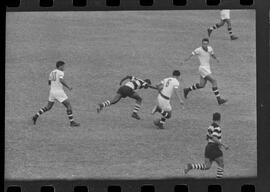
(204,71)
(57,95)
(225,14)
(163,103)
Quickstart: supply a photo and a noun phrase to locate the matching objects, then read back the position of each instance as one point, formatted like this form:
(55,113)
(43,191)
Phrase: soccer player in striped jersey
(212,150)
(128,90)
(205,53)
(166,88)
(57,93)
(224,18)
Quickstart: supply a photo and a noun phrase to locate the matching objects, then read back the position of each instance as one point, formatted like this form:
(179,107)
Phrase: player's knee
(69,107)
(201,85)
(139,99)
(214,82)
(48,107)
(207,167)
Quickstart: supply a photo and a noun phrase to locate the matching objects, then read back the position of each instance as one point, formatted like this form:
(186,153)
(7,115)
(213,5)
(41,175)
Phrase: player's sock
(106,103)
(216,92)
(220,171)
(165,113)
(200,166)
(70,116)
(136,108)
(216,26)
(162,120)
(41,111)
(230,31)
(194,87)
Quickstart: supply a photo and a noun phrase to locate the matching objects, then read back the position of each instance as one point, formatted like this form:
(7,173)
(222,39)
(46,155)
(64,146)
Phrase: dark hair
(59,64)
(216,116)
(176,73)
(148,81)
(205,39)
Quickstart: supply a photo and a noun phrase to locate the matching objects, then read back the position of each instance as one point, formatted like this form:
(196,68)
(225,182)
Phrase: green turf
(102,47)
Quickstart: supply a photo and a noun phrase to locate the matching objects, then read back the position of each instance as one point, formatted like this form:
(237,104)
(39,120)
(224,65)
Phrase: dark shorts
(212,151)
(125,91)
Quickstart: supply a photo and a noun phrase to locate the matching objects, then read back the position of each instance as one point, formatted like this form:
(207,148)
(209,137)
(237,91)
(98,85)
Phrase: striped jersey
(213,130)
(135,83)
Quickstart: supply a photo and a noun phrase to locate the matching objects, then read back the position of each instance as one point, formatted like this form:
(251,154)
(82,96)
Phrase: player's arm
(215,139)
(125,78)
(152,87)
(214,57)
(188,58)
(65,84)
(156,87)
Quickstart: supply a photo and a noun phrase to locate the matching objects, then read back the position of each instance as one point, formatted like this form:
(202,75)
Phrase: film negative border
(248,185)
(259,184)
(92,5)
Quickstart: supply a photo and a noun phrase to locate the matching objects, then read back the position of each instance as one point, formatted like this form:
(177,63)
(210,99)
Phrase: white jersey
(225,14)
(169,84)
(55,77)
(204,56)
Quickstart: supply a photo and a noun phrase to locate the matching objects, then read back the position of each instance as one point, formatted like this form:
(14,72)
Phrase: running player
(204,53)
(225,18)
(166,88)
(212,150)
(56,82)
(128,90)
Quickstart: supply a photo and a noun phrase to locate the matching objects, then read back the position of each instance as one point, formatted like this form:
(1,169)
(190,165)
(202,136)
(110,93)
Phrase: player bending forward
(225,18)
(212,150)
(128,90)
(204,53)
(56,82)
(166,88)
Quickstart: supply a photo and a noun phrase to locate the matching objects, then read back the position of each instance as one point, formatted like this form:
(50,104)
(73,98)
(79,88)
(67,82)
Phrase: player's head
(176,73)
(60,65)
(216,116)
(148,81)
(205,42)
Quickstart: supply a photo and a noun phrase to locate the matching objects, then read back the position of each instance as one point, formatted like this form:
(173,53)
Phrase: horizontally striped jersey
(213,130)
(135,83)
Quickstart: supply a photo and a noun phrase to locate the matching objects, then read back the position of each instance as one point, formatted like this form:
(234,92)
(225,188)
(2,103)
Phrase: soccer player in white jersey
(57,93)
(204,53)
(212,150)
(224,18)
(166,88)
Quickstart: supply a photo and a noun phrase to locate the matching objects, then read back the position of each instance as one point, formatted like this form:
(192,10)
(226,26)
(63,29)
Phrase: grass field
(102,47)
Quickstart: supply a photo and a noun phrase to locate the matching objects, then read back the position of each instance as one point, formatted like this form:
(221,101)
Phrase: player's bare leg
(229,27)
(214,27)
(137,105)
(195,86)
(67,104)
(107,103)
(215,90)
(156,109)
(220,168)
(41,111)
(200,166)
